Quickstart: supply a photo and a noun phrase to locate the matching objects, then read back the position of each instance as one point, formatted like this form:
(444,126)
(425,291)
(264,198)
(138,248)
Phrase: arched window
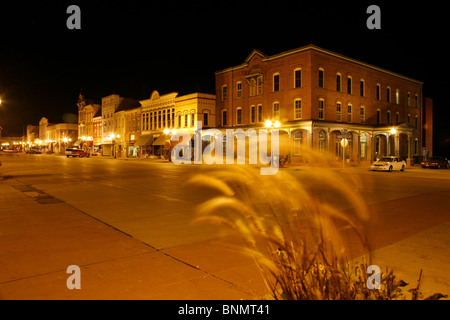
(239,116)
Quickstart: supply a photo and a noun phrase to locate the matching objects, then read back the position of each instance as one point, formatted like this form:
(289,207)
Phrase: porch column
(397,144)
(410,160)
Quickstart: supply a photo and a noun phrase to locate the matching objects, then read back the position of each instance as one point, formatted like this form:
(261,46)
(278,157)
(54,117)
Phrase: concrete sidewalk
(40,238)
(38,242)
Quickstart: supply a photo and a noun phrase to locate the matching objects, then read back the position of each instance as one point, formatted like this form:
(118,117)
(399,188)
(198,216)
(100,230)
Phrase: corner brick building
(319,97)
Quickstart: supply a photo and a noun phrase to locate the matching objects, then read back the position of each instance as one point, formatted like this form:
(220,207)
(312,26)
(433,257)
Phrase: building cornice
(312,47)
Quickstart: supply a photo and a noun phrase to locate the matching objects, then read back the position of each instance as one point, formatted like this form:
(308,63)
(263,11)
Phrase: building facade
(87,111)
(319,98)
(170,113)
(111,138)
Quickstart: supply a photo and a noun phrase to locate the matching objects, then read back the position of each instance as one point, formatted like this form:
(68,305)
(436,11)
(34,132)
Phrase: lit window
(397,96)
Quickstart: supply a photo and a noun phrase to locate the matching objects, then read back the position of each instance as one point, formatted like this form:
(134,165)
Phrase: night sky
(131,48)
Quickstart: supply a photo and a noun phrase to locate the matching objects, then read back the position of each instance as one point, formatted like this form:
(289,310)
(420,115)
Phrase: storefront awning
(144,140)
(161,140)
(78,143)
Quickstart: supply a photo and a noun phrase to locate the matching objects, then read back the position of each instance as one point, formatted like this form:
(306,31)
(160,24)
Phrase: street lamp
(113,138)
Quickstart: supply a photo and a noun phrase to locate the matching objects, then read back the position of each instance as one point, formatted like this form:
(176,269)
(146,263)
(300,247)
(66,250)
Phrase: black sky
(134,47)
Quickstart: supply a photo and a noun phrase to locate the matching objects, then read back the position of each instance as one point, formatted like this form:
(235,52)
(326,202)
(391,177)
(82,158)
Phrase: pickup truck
(72,152)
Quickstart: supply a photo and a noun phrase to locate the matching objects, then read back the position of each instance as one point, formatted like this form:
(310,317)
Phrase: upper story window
(362,114)
(205,119)
(378,91)
(252,87)
(224,93)
(321,109)
(388,94)
(349,85)
(260,113)
(338,111)
(238,116)
(349,113)
(339,82)
(297,109)
(259,86)
(252,114)
(276,82)
(224,117)
(276,110)
(239,90)
(321,78)
(378,116)
(397,96)
(409,99)
(297,78)
(362,88)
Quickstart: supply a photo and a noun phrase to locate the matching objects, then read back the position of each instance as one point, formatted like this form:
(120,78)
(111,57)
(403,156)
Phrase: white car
(389,163)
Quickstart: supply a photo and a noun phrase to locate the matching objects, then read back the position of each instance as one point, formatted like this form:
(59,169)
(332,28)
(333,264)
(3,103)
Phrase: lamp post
(270,126)
(169,133)
(113,139)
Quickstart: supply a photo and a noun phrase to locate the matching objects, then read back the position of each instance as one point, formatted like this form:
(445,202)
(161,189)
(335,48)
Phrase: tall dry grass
(301,242)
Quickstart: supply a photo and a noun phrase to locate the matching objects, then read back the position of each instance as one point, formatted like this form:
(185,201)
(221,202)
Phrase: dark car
(33,151)
(73,152)
(436,162)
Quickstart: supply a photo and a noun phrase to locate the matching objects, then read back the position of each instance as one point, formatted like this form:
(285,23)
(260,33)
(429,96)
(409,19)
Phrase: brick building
(319,97)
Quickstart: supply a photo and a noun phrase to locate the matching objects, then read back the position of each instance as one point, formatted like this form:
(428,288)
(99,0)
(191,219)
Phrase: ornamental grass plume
(299,240)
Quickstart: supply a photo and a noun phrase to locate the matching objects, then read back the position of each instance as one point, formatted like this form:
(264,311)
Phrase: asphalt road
(151,200)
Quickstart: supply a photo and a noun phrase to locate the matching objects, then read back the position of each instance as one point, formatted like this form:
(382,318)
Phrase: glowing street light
(393,131)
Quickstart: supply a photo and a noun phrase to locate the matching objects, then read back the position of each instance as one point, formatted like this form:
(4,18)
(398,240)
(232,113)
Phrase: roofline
(317,49)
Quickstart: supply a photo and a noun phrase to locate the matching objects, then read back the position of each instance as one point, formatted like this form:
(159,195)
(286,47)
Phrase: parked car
(389,163)
(33,151)
(73,152)
(436,162)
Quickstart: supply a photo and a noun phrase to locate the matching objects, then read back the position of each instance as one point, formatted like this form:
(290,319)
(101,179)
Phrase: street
(151,202)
